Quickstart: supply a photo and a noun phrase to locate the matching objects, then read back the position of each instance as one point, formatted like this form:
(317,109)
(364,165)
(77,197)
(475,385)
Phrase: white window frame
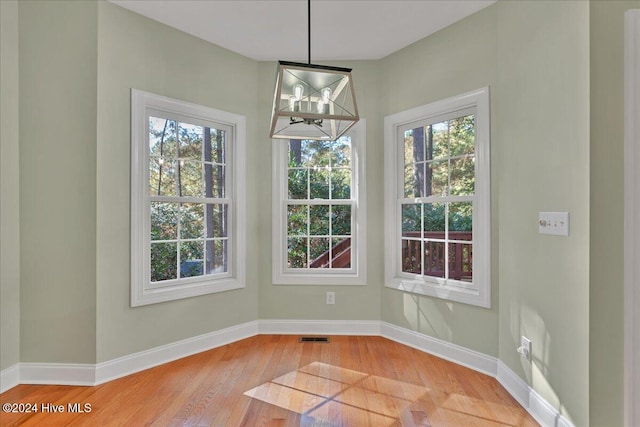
(143,291)
(479,291)
(356,275)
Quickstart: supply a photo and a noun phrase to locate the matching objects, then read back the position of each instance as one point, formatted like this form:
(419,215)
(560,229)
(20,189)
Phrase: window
(437,202)
(318,210)
(187,216)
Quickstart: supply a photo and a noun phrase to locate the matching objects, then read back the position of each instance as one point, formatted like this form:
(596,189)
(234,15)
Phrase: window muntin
(319,204)
(188,209)
(319,212)
(187,199)
(437,211)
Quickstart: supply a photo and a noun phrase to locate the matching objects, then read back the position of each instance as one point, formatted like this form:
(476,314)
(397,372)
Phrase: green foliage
(317,170)
(439,159)
(178,159)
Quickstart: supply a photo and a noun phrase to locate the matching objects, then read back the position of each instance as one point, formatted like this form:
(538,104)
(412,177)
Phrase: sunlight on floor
(332,394)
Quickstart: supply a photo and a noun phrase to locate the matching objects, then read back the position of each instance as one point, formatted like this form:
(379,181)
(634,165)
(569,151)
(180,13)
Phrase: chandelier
(312,101)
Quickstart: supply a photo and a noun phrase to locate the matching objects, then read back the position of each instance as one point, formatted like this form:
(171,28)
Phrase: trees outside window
(186,192)
(437,202)
(319,210)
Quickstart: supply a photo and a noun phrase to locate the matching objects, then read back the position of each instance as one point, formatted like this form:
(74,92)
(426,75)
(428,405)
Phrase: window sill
(443,291)
(179,291)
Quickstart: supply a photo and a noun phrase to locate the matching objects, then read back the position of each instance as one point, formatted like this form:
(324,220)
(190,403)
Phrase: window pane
(296,220)
(341,220)
(414,146)
(164,221)
(214,180)
(162,138)
(434,220)
(297,183)
(162,177)
(411,256)
(164,259)
(295,153)
(414,180)
(461,221)
(217,256)
(216,220)
(461,137)
(190,174)
(462,176)
(319,183)
(315,153)
(319,249)
(319,220)
(341,253)
(434,259)
(191,220)
(411,222)
(297,252)
(341,152)
(436,178)
(438,141)
(191,258)
(190,146)
(215,149)
(341,184)
(461,261)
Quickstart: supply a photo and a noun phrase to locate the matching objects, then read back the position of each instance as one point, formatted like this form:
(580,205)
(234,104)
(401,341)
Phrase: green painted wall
(136,52)
(361,302)
(555,73)
(606,310)
(58,82)
(457,59)
(542,100)
(9,179)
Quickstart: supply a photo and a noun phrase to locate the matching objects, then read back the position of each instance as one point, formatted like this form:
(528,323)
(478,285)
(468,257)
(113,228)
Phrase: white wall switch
(553,223)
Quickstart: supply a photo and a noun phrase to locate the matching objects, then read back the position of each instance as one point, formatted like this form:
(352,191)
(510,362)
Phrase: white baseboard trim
(543,412)
(126,365)
(454,353)
(57,373)
(325,327)
(9,377)
(88,374)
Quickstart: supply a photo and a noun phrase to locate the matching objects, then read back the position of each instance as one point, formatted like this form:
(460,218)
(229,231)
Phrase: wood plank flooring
(273,380)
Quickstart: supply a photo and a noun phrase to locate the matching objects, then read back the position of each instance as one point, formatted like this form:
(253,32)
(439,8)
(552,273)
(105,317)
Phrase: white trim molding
(543,412)
(88,374)
(452,352)
(146,359)
(325,327)
(143,290)
(10,377)
(631,215)
(356,274)
(477,292)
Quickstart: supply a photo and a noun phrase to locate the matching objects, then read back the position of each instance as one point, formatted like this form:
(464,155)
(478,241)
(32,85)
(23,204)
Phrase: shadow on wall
(525,321)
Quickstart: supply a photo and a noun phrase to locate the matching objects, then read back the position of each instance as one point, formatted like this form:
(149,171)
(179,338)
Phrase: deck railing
(460,254)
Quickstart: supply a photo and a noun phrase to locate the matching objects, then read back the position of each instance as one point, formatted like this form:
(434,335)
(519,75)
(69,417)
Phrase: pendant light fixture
(312,101)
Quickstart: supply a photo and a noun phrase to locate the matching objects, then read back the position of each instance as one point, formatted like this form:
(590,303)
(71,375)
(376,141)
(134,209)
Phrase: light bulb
(326,95)
(323,104)
(298,90)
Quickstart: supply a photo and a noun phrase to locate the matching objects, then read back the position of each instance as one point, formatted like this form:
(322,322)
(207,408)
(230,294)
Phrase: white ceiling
(267,30)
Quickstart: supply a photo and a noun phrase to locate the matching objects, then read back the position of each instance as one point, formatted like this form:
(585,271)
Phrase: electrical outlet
(525,348)
(331,297)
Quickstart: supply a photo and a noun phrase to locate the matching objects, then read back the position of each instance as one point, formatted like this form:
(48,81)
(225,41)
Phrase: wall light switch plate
(553,223)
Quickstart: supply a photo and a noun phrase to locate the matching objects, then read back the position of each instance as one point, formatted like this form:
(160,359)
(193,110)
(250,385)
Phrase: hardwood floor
(273,380)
